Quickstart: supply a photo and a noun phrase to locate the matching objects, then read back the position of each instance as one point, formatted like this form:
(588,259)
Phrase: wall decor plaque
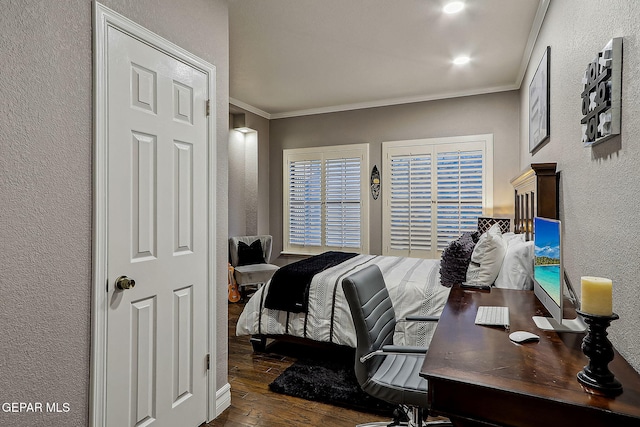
(601,94)
(375,182)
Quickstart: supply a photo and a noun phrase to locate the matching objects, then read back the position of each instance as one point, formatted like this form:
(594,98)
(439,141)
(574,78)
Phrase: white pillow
(487,257)
(508,237)
(517,267)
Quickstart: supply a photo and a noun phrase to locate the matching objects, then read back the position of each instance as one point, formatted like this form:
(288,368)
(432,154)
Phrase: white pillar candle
(596,295)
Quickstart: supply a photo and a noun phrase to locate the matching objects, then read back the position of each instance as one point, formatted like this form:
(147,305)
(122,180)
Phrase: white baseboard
(223,398)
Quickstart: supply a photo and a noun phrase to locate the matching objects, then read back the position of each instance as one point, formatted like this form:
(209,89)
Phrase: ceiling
(298,57)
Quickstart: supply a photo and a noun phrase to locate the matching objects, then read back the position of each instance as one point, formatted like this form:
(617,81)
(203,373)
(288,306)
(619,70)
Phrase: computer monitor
(547,277)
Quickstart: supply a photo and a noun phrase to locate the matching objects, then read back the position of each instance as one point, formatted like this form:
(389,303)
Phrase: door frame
(103,18)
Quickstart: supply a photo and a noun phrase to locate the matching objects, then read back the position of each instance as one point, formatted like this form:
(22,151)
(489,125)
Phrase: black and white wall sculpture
(602,90)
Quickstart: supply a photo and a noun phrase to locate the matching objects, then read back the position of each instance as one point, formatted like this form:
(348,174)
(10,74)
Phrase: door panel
(183,215)
(144,159)
(182,337)
(143,328)
(157,235)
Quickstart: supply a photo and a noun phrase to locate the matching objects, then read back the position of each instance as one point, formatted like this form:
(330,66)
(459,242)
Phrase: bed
(414,287)
(414,284)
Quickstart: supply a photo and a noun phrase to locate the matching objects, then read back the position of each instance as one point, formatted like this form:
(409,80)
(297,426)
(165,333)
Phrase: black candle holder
(597,347)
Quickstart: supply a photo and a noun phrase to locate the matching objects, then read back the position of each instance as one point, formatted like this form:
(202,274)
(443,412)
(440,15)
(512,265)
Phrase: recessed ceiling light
(453,7)
(461,60)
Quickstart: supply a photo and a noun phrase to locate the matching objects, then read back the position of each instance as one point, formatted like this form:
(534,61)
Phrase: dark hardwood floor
(253,404)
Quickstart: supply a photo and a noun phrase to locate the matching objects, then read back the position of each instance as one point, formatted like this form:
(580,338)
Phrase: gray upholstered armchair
(386,371)
(250,261)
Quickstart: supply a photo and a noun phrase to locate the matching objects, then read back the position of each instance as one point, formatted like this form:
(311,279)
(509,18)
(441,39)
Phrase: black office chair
(384,370)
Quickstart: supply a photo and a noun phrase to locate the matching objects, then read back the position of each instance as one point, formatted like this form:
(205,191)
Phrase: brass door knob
(123,283)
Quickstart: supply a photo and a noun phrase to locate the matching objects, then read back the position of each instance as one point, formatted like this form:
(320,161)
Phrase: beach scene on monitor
(547,257)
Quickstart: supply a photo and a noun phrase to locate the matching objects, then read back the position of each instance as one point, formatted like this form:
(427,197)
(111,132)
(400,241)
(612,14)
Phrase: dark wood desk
(477,376)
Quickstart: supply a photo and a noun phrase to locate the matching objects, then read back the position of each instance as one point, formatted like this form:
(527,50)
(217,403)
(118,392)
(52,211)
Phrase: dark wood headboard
(536,194)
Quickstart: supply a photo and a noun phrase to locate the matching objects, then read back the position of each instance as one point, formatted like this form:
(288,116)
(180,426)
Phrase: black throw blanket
(289,288)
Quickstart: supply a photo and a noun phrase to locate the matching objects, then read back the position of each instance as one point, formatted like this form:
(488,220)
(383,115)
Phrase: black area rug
(327,376)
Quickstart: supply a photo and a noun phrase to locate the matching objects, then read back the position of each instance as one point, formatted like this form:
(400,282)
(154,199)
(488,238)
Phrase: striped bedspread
(414,288)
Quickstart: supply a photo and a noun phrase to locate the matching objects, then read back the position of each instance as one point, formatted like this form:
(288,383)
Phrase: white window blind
(342,202)
(326,199)
(305,202)
(410,205)
(460,194)
(436,189)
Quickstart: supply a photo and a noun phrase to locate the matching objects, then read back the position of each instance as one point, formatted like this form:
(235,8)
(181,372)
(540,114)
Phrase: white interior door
(157,235)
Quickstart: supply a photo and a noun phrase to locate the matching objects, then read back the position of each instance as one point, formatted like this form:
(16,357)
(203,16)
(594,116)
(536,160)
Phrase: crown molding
(531,42)
(390,102)
(371,104)
(250,108)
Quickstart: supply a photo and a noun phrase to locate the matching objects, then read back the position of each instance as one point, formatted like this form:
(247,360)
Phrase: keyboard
(493,316)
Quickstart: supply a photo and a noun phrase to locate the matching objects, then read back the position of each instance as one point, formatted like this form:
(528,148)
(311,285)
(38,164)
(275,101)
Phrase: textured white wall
(249,177)
(45,189)
(599,191)
(243,183)
(237,217)
(251,181)
(496,113)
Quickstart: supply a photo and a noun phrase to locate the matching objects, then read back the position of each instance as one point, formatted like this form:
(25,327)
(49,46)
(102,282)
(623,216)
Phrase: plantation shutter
(460,194)
(433,191)
(410,203)
(325,199)
(305,202)
(342,202)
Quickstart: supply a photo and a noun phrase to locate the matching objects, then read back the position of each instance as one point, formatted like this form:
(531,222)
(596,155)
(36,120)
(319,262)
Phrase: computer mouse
(523,336)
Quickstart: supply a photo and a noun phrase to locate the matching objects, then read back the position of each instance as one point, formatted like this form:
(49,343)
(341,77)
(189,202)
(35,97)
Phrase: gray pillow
(455,259)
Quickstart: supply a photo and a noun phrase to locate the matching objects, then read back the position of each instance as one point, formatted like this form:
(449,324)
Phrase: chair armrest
(419,319)
(403,349)
(394,349)
(422,318)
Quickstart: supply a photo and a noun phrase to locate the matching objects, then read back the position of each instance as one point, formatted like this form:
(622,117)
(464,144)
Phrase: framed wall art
(539,94)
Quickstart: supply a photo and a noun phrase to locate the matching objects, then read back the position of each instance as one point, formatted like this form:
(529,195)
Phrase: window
(435,190)
(326,199)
